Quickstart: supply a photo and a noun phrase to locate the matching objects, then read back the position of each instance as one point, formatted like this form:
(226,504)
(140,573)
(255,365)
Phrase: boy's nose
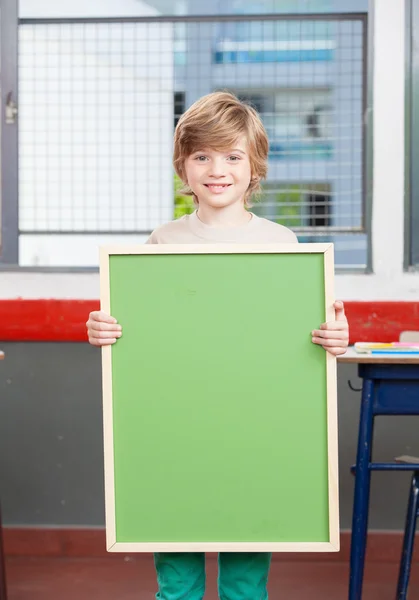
(216,170)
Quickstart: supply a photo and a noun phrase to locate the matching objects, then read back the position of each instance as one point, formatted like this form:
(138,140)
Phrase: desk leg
(362,492)
(409,539)
(3,591)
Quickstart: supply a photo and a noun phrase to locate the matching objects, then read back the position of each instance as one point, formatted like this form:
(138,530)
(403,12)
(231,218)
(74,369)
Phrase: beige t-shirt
(190,230)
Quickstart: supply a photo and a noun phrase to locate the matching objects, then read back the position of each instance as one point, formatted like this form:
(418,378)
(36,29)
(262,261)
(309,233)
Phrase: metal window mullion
(368,126)
(412,131)
(350,16)
(9,134)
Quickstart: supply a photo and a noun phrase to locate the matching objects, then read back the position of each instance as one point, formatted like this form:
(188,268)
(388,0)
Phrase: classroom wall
(51,466)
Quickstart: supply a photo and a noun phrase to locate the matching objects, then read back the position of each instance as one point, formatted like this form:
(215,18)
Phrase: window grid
(99,101)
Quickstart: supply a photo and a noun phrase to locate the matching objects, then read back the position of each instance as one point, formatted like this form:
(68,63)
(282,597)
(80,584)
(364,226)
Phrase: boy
(220,154)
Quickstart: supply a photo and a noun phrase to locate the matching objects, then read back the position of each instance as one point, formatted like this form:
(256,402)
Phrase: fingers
(101,326)
(102,329)
(339,334)
(101,341)
(334,347)
(341,324)
(336,351)
(339,310)
(102,338)
(99,315)
(328,343)
(334,335)
(335,326)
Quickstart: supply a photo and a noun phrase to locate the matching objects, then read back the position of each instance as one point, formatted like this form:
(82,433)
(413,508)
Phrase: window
(301,207)
(98,102)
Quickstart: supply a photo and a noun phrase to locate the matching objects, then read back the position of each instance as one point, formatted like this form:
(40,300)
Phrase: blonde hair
(216,121)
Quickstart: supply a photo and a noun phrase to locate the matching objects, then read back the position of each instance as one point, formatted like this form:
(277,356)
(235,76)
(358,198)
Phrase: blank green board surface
(219,399)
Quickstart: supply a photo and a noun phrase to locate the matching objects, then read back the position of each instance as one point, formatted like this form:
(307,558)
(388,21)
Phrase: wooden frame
(113,545)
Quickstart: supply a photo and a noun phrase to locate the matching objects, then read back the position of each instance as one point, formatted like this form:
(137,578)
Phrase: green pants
(241,576)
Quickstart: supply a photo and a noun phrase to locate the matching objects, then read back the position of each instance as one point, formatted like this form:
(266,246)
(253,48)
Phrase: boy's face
(219,178)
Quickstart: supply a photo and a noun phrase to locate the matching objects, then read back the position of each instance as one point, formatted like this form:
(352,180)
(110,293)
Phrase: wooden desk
(377,359)
(390,387)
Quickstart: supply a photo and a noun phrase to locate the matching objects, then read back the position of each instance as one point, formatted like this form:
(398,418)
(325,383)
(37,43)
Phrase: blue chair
(409,531)
(410,526)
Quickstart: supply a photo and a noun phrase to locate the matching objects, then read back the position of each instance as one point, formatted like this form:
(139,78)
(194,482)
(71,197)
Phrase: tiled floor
(133,579)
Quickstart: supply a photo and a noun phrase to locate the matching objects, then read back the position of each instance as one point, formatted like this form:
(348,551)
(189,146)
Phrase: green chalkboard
(219,411)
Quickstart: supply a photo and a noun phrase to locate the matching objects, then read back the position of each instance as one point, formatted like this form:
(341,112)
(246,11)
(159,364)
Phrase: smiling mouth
(217,187)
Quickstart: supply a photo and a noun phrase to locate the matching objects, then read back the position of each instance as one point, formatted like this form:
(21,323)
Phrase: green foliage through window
(184,205)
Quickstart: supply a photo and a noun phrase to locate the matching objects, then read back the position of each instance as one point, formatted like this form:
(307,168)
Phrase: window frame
(9,35)
(9,255)
(411,204)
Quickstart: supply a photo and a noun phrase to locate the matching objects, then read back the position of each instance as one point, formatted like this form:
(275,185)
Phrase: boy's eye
(200,158)
(234,158)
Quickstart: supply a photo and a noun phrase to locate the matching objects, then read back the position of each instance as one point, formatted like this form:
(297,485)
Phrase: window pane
(99,102)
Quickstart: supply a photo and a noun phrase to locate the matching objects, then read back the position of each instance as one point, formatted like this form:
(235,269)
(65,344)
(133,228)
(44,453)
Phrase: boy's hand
(102,329)
(334,335)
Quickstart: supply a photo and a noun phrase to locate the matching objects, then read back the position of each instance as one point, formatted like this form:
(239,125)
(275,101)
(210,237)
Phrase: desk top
(393,359)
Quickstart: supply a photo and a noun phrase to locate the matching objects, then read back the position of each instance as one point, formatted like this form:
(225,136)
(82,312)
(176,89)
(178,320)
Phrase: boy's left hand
(334,335)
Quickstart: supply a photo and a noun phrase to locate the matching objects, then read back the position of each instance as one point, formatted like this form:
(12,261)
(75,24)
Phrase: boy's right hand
(102,329)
